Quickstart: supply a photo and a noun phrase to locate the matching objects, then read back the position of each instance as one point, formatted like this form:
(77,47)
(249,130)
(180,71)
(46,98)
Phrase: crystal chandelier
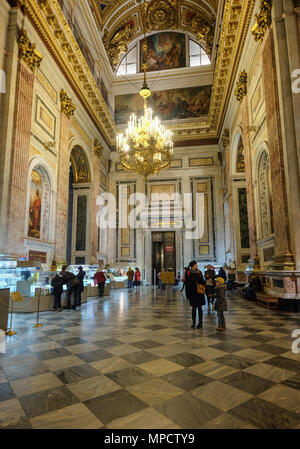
(147,145)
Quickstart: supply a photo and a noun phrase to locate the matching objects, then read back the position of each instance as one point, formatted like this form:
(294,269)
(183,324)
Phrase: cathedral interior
(223,156)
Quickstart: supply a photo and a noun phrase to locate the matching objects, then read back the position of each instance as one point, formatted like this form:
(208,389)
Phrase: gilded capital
(225,138)
(241,89)
(67,106)
(263,20)
(28,51)
(98,148)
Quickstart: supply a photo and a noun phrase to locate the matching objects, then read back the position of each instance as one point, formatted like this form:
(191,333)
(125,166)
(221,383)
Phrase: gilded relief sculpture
(67,106)
(241,89)
(263,20)
(118,43)
(28,51)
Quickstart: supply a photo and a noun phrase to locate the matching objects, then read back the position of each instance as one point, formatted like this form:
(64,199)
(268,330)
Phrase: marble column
(254,261)
(94,210)
(283,254)
(62,190)
(20,159)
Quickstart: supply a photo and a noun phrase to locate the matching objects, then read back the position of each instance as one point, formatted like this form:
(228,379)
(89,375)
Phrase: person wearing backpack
(57,284)
(195,289)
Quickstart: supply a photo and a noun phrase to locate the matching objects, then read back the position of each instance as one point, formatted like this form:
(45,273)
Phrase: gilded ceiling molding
(98,148)
(236,21)
(160,15)
(52,25)
(28,52)
(118,42)
(241,86)
(225,138)
(263,20)
(67,105)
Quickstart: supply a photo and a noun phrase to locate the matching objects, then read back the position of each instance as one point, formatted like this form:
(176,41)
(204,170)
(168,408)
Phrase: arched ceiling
(123,22)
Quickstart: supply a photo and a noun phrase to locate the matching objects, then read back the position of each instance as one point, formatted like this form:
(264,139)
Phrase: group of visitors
(75,287)
(133,278)
(214,287)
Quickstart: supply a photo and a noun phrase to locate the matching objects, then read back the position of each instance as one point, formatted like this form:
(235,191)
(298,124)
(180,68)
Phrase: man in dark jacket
(194,277)
(73,285)
(57,284)
(80,276)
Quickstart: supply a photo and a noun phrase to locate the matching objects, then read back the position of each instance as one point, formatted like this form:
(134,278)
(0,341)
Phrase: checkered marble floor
(133,361)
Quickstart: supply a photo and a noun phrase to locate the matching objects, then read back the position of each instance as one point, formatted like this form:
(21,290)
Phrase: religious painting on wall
(190,102)
(35,205)
(165,51)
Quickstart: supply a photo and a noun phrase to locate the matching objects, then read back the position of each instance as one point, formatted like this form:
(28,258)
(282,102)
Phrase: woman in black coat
(197,300)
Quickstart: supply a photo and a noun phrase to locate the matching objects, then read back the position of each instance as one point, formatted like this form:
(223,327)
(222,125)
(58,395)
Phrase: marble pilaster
(20,159)
(94,210)
(62,190)
(283,257)
(254,261)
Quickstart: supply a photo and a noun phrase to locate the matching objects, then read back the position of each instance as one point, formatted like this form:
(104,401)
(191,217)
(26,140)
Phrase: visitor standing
(137,278)
(57,284)
(80,276)
(73,286)
(220,303)
(210,277)
(130,274)
(100,279)
(222,274)
(231,278)
(185,270)
(195,288)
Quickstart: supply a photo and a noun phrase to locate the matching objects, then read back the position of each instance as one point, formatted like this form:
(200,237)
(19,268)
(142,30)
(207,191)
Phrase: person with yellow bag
(195,289)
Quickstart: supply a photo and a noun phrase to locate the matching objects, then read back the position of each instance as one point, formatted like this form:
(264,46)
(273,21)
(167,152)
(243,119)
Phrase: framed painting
(165,51)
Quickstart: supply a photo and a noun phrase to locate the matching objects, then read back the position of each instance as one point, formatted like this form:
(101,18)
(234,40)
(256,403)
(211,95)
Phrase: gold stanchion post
(16,297)
(38,295)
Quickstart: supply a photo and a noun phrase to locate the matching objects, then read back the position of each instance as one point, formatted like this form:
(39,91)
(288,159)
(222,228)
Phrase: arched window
(197,54)
(127,65)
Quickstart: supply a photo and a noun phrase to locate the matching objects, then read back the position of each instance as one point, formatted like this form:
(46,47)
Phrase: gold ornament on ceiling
(263,20)
(98,148)
(28,51)
(119,41)
(241,89)
(194,23)
(160,15)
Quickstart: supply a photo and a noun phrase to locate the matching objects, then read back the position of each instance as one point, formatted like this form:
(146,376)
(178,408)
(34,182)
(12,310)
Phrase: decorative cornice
(236,20)
(28,52)
(241,89)
(53,27)
(263,20)
(98,148)
(67,106)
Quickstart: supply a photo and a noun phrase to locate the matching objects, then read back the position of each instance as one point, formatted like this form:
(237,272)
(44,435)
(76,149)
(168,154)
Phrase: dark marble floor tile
(72,341)
(261,338)
(76,373)
(283,362)
(155,327)
(115,405)
(55,332)
(146,344)
(21,371)
(251,330)
(234,361)
(107,343)
(272,349)
(186,379)
(94,356)
(6,392)
(52,354)
(264,415)
(247,382)
(129,376)
(292,382)
(187,411)
(14,352)
(186,359)
(227,347)
(47,401)
(139,357)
